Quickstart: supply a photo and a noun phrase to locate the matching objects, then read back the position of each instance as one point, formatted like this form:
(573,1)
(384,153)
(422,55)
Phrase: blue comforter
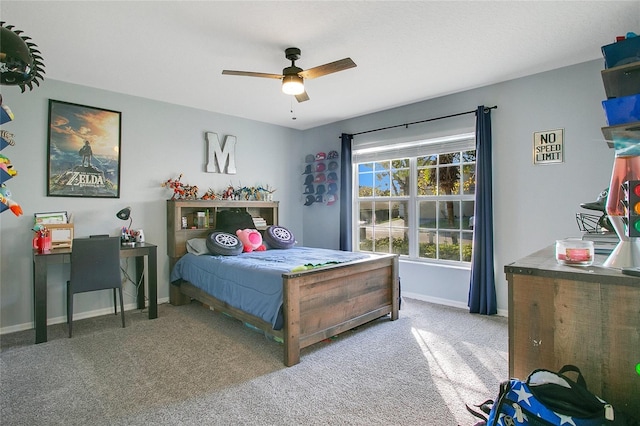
(252,282)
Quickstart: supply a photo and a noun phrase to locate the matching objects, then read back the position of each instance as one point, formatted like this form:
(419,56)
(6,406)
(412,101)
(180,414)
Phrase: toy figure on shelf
(190,192)
(228,194)
(265,194)
(209,195)
(7,203)
(5,165)
(269,192)
(176,186)
(6,138)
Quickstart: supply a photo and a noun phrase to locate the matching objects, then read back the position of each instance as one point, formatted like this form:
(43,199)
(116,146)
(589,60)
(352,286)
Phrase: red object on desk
(42,243)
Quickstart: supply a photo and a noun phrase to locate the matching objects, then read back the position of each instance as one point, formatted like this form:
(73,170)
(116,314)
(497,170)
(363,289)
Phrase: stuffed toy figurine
(12,205)
(251,239)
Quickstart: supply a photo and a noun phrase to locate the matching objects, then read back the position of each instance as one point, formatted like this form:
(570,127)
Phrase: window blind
(384,150)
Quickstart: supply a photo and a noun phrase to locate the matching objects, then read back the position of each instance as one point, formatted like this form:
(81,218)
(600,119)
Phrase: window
(417,200)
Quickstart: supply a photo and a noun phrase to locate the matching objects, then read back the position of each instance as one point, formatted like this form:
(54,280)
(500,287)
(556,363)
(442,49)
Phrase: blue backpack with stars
(549,398)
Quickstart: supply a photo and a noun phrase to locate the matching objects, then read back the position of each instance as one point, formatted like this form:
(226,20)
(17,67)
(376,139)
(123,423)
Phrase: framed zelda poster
(83,151)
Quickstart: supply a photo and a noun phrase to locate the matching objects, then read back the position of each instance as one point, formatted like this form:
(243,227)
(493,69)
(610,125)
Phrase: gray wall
(159,141)
(533,205)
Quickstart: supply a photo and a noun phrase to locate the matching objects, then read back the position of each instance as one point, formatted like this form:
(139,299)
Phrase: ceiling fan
(293,77)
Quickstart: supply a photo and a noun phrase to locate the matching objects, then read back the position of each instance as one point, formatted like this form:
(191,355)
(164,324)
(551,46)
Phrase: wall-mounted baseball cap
(332,154)
(331,199)
(321,167)
(307,170)
(308,180)
(321,156)
(318,198)
(320,178)
(320,189)
(310,200)
(308,189)
(309,158)
(333,188)
(332,177)
(333,165)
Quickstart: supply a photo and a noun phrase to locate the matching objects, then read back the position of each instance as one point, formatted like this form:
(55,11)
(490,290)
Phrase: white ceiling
(405,51)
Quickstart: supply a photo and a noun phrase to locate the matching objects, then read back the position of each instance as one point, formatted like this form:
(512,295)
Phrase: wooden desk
(63,255)
(588,316)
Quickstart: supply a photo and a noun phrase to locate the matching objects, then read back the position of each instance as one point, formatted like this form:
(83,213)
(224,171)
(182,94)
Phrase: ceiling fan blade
(252,74)
(319,71)
(302,97)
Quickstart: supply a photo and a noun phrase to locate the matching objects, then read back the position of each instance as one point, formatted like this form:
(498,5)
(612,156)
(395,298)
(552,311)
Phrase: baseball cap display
(320,187)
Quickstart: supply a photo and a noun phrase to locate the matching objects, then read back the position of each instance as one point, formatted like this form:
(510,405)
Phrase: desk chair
(95,265)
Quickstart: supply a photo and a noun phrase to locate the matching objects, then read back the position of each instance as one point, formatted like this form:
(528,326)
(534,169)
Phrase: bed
(316,293)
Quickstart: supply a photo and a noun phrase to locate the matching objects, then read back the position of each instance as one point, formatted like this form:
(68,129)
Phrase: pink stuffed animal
(251,239)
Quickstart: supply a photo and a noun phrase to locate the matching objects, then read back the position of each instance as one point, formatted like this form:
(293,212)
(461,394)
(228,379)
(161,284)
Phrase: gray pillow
(197,246)
(224,244)
(279,237)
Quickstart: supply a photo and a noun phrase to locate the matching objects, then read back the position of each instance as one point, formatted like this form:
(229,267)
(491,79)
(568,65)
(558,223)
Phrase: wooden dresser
(586,316)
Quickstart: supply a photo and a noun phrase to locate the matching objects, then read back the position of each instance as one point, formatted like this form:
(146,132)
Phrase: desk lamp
(125,214)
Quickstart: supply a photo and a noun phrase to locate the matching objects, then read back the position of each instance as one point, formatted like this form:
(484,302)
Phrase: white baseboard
(446,302)
(78,316)
(133,306)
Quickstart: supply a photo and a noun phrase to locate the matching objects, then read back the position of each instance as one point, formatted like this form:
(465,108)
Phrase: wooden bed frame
(319,303)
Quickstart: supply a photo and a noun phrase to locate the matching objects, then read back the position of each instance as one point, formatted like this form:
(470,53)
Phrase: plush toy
(251,239)
(12,205)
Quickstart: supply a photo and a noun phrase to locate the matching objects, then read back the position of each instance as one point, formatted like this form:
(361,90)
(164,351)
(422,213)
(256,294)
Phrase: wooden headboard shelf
(180,211)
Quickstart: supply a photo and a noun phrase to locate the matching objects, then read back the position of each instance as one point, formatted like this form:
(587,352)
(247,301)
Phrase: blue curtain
(482,287)
(346,202)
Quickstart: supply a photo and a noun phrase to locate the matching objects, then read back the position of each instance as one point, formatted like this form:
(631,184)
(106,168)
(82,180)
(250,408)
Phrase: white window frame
(391,151)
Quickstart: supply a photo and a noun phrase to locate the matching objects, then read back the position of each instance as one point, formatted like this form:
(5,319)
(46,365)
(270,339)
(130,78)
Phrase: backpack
(547,398)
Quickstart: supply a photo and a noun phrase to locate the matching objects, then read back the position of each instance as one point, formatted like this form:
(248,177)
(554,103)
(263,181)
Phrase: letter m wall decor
(221,158)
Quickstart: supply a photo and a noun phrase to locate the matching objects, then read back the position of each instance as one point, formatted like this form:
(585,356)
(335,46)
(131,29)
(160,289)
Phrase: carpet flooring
(194,366)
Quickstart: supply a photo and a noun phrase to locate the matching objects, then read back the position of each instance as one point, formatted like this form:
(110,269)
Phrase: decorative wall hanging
(221,158)
(20,63)
(548,147)
(83,151)
(6,168)
(321,183)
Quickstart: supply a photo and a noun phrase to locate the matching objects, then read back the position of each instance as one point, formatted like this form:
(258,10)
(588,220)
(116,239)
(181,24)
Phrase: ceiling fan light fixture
(292,85)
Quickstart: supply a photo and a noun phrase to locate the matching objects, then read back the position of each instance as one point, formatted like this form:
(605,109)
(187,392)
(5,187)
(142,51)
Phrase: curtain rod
(422,121)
